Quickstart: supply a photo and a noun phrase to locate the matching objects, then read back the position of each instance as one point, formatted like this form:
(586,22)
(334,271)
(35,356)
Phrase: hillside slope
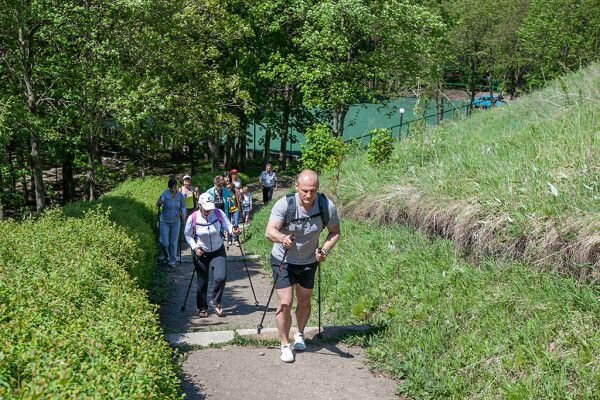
(516,182)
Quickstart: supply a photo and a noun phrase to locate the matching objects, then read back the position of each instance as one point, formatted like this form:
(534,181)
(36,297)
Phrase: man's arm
(273,233)
(333,235)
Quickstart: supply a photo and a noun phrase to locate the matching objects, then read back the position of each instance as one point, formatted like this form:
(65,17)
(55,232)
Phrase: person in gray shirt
(268,182)
(296,254)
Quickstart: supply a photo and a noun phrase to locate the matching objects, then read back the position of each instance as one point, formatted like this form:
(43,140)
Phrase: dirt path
(324,371)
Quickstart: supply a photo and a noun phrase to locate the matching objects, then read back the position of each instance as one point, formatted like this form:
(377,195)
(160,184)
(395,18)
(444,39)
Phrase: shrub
(380,147)
(322,152)
(73,322)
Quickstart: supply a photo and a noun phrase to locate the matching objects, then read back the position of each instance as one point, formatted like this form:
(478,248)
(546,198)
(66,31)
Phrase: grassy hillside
(445,328)
(521,181)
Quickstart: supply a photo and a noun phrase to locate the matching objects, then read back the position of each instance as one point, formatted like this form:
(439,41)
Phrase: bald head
(308,177)
(307,185)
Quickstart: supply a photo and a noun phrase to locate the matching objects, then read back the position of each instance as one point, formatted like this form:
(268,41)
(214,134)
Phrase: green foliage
(447,329)
(505,158)
(322,151)
(450,329)
(73,323)
(132,206)
(380,147)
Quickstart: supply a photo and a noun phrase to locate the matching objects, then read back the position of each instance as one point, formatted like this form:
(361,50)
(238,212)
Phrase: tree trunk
(242,141)
(441,106)
(437,107)
(67,177)
(92,156)
(283,136)
(267,154)
(26,48)
(491,89)
(213,146)
(339,116)
(473,88)
(22,164)
(228,152)
(192,147)
(13,174)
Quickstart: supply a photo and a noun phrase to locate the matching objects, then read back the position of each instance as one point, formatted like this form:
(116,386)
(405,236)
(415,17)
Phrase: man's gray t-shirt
(306,231)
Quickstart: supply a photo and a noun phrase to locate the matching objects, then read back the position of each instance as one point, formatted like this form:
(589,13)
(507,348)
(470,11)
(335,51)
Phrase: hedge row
(75,321)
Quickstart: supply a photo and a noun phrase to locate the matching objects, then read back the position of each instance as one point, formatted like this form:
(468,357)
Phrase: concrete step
(207,338)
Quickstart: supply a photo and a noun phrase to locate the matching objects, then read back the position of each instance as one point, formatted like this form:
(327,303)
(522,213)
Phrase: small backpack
(291,210)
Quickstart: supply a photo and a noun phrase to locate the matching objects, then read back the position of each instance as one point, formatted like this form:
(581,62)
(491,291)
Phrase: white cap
(206,201)
(187,177)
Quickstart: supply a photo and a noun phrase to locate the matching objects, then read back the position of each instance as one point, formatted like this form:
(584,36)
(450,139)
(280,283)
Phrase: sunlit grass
(536,158)
(451,329)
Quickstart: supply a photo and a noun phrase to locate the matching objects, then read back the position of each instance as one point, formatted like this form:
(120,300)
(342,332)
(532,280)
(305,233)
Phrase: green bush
(322,152)
(380,147)
(132,206)
(73,322)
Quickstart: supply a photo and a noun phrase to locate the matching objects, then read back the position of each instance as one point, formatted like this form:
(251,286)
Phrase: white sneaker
(299,344)
(287,355)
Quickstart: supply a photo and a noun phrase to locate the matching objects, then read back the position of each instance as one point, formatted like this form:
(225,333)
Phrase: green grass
(509,160)
(449,329)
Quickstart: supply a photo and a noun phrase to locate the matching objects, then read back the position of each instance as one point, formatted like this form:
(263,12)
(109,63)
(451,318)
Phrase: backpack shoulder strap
(194,225)
(219,216)
(324,209)
(290,212)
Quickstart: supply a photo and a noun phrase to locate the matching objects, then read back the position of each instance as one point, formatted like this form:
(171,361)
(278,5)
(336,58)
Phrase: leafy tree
(356,50)
(558,36)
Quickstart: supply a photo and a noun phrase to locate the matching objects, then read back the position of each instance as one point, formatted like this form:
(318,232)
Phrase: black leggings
(218,262)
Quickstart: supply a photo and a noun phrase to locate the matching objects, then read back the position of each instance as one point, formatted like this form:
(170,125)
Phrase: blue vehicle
(485,101)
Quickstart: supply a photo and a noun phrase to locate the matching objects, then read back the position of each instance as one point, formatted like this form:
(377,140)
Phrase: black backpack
(290,213)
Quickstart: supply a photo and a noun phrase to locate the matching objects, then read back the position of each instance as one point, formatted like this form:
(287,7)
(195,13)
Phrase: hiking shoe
(299,344)
(287,355)
(219,310)
(203,313)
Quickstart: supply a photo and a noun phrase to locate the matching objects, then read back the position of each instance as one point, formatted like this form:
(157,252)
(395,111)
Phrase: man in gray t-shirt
(296,254)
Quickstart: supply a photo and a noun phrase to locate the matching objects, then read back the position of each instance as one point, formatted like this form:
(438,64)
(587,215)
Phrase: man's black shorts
(291,274)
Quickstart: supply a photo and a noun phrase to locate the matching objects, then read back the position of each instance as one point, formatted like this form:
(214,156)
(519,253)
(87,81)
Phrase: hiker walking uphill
(221,195)
(203,232)
(268,182)
(190,194)
(173,213)
(294,226)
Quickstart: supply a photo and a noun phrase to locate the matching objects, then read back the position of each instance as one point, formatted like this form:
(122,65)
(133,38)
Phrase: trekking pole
(188,289)
(248,273)
(260,326)
(319,298)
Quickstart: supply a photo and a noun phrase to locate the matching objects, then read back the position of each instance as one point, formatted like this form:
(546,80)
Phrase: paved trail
(331,371)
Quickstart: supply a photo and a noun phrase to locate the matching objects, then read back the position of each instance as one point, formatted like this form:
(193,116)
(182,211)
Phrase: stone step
(207,338)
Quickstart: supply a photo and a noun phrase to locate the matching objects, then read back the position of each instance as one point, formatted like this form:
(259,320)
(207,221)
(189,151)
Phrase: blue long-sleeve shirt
(173,206)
